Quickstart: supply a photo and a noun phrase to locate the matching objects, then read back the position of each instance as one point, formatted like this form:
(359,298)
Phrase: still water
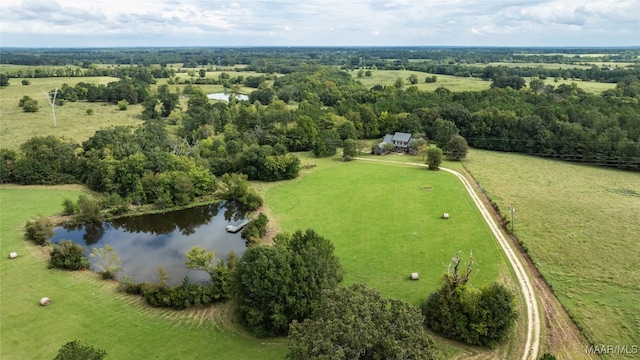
(225,96)
(145,242)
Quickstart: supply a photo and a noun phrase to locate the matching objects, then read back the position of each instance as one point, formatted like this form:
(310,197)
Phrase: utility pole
(52,102)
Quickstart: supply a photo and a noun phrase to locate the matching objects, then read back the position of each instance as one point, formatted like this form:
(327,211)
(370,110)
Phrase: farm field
(580,225)
(88,309)
(386,222)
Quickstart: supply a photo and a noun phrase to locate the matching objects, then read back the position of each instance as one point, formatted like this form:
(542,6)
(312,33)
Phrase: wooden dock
(234,229)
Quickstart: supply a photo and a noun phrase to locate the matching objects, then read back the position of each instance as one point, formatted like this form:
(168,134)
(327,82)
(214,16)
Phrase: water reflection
(148,241)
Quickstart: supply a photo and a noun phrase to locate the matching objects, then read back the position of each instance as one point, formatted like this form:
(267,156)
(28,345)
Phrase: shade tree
(356,322)
(277,284)
(434,158)
(483,316)
(457,148)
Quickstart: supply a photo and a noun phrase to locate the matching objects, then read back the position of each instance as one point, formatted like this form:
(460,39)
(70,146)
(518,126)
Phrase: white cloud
(321,22)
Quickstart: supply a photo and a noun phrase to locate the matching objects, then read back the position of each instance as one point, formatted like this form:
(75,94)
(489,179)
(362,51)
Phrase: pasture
(386,222)
(591,87)
(73,122)
(17,126)
(89,309)
(581,226)
(383,231)
(457,83)
(389,77)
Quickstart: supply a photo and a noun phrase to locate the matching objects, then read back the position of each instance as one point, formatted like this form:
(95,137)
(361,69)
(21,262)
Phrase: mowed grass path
(86,308)
(582,227)
(386,222)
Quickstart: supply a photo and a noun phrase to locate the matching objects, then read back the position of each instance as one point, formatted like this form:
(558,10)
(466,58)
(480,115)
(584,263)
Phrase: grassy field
(453,83)
(386,222)
(72,120)
(537,65)
(591,87)
(456,83)
(581,226)
(86,308)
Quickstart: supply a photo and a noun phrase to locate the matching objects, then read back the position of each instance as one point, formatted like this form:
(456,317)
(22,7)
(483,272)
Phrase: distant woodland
(303,99)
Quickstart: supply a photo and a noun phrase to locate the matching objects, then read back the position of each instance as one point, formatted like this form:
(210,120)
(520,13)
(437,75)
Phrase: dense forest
(314,108)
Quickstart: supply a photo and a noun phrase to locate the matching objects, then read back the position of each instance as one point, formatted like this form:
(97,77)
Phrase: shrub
(39,230)
(69,256)
(30,106)
(69,207)
(255,230)
(476,316)
(89,111)
(74,350)
(128,285)
(108,261)
(23,100)
(178,297)
(25,82)
(122,105)
(88,210)
(115,204)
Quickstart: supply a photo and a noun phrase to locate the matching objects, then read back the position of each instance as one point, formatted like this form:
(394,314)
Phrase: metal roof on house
(387,140)
(400,136)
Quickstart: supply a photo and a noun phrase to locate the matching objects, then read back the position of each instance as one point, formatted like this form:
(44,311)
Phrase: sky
(170,23)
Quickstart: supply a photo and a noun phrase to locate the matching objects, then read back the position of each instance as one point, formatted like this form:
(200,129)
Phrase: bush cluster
(39,230)
(75,350)
(255,230)
(475,316)
(69,256)
(176,297)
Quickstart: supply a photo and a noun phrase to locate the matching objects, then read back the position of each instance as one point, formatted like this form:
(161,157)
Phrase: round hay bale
(445,215)
(13,255)
(45,301)
(414,276)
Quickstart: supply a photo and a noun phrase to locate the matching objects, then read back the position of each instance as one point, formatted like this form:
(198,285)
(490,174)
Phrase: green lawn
(582,226)
(86,308)
(386,222)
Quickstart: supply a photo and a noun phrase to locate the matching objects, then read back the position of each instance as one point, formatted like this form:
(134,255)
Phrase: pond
(146,242)
(225,96)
